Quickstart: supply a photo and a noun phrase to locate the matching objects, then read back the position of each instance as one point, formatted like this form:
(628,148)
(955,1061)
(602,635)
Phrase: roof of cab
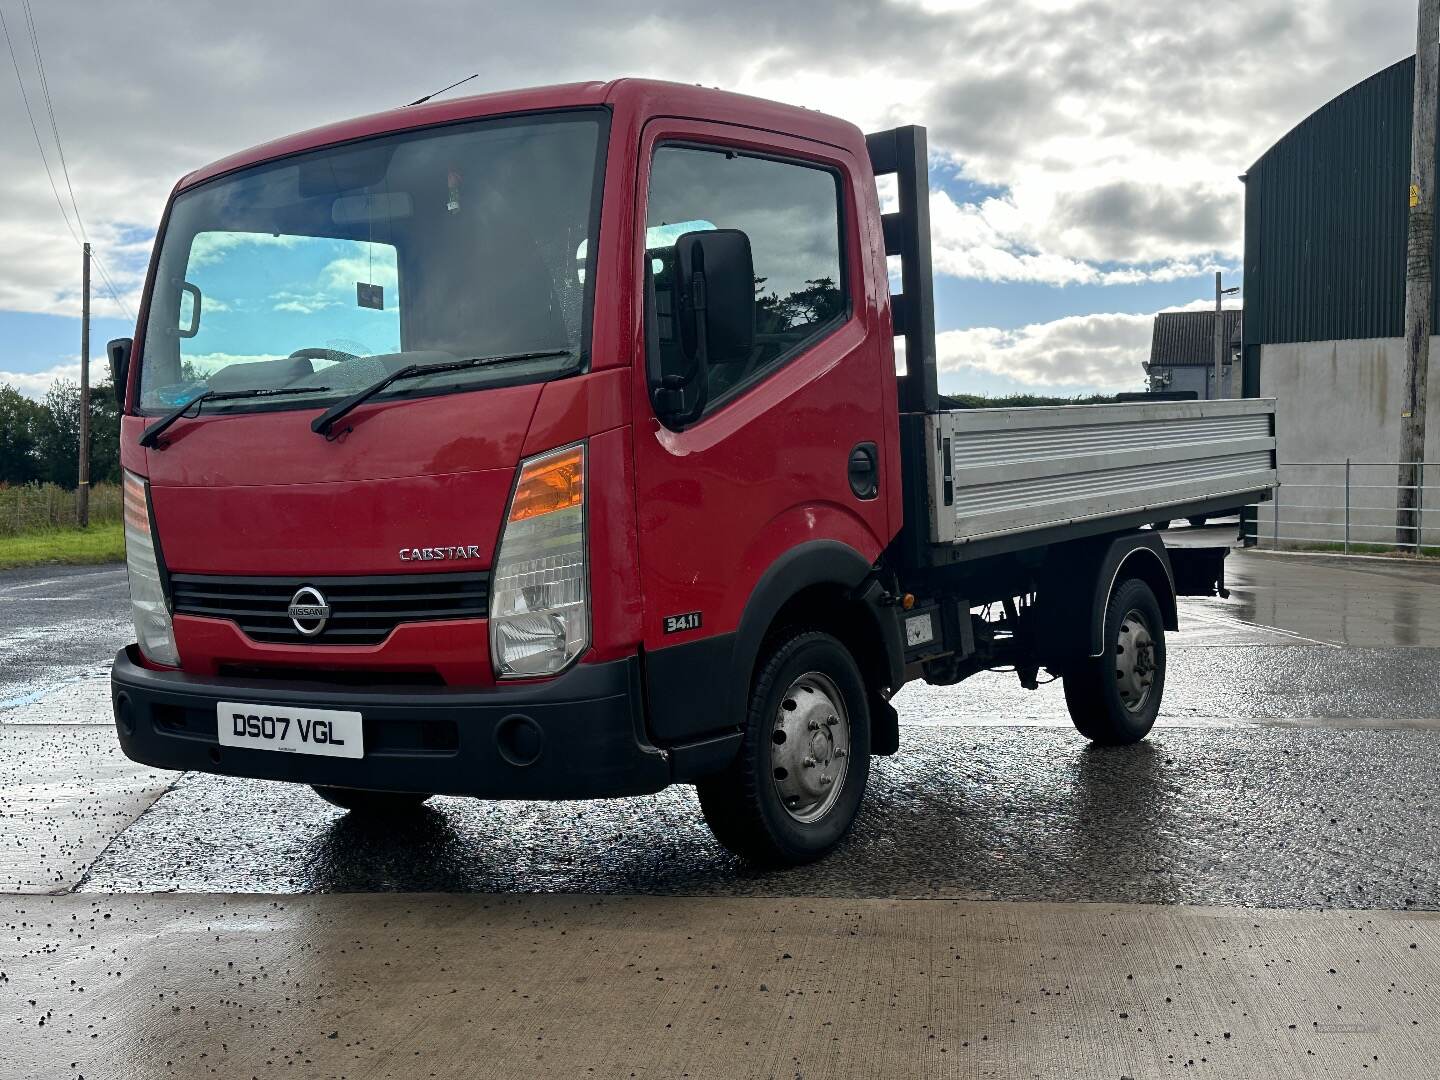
(648,97)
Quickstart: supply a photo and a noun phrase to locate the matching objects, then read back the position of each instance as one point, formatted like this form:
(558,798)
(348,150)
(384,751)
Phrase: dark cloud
(1114,215)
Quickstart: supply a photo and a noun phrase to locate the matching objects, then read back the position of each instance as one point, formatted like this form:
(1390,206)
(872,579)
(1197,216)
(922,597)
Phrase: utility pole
(1219,336)
(1221,344)
(82,491)
(1418,275)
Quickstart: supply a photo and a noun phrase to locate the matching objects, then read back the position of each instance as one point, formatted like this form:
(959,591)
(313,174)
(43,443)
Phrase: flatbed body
(1004,479)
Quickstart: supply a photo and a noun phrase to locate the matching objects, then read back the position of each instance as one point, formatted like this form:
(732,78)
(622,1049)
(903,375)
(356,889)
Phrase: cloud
(1107,135)
(1130,220)
(993,241)
(1101,352)
(342,274)
(33,384)
(209,248)
(303,303)
(1083,351)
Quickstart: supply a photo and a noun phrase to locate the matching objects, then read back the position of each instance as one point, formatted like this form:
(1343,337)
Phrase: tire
(372,803)
(1197,522)
(1160,526)
(1114,698)
(808,720)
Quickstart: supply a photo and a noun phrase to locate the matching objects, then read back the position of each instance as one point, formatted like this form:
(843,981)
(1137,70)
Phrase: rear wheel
(1114,698)
(375,803)
(796,785)
(1198,521)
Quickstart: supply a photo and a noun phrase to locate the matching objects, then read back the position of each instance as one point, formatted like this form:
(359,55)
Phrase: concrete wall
(1338,400)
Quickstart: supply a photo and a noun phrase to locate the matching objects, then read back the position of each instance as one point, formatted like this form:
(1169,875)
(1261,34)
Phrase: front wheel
(1114,698)
(795,787)
(371,803)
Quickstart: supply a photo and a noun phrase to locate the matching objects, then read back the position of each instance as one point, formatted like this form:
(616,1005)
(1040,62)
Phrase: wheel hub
(1134,661)
(810,747)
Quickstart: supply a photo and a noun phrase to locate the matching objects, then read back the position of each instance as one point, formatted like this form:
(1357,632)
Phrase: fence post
(1347,506)
(1419,506)
(1275,533)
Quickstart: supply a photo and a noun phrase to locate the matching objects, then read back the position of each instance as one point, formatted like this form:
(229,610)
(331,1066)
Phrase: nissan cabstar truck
(555,444)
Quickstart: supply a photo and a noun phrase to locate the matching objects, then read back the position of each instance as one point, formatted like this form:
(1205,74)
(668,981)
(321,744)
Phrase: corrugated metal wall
(1325,220)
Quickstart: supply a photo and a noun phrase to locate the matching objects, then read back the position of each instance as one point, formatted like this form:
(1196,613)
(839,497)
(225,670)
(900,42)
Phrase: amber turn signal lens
(553,483)
(137,515)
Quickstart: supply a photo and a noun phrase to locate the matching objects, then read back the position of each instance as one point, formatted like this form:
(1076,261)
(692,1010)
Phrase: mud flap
(884,726)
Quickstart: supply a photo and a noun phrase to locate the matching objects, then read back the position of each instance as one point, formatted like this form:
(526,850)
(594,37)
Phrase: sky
(1084,154)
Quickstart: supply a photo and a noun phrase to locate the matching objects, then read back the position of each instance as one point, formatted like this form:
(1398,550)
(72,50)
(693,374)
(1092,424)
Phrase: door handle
(864,471)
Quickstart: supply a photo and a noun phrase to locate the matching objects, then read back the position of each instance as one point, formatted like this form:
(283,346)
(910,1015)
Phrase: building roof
(1184,338)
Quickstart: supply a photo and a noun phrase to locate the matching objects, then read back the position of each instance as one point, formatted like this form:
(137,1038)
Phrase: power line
(39,145)
(35,130)
(110,286)
(50,110)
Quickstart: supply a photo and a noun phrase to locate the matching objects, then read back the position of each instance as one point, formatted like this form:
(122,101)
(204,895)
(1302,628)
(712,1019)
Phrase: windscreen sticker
(453,203)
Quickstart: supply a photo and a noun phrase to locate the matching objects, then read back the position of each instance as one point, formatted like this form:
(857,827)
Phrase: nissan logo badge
(309,611)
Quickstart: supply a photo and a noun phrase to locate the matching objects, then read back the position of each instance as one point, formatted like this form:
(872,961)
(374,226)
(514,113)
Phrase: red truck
(550,445)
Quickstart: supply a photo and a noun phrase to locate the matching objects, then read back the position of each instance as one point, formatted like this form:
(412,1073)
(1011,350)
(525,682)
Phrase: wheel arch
(1147,561)
(1079,584)
(829,586)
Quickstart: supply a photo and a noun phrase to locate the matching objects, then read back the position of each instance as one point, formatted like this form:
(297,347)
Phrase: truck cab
(549,444)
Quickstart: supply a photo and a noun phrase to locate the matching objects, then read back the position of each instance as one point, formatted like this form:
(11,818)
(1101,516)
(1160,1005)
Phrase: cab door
(787,448)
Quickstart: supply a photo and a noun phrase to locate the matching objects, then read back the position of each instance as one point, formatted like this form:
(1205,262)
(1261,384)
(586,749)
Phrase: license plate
(327,732)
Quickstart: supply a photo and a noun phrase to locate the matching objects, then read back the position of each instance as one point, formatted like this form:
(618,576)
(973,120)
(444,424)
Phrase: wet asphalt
(58,623)
(1295,765)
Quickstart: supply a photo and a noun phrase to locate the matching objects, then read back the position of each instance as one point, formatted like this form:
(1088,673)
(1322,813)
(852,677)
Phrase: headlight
(153,629)
(540,597)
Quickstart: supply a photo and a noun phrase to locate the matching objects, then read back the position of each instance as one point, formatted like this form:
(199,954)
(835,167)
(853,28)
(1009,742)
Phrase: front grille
(363,610)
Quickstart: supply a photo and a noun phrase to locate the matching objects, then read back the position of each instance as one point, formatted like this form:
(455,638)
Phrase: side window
(790,212)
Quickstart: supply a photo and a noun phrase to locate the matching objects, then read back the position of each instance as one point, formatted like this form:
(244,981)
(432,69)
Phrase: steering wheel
(322,354)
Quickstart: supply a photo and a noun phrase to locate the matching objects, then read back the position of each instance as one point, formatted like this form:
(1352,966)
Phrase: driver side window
(791,214)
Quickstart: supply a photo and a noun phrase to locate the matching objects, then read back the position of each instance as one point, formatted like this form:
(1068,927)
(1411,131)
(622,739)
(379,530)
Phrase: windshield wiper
(322,424)
(152,434)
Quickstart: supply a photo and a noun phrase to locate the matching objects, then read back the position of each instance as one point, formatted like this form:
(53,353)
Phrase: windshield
(332,269)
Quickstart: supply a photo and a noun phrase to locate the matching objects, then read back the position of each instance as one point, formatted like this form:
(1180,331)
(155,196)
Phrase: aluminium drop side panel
(1034,470)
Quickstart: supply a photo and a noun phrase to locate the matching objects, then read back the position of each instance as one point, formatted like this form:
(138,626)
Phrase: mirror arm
(673,387)
(702,350)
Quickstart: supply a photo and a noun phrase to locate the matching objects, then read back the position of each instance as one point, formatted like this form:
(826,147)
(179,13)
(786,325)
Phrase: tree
(818,302)
(19,422)
(57,437)
(104,434)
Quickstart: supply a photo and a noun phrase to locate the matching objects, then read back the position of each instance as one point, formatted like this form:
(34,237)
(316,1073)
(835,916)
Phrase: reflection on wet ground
(1286,771)
(1253,815)
(1355,601)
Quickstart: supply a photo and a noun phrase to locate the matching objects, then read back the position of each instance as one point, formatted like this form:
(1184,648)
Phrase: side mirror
(192,293)
(118,351)
(714,312)
(715,287)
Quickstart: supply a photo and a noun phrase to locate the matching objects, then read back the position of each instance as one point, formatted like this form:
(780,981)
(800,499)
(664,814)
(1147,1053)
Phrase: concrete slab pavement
(65,793)
(464,987)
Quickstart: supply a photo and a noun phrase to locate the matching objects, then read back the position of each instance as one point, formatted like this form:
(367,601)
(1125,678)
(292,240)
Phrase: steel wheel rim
(1135,665)
(810,747)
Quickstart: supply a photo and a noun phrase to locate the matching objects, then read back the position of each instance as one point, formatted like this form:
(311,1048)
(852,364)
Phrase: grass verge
(75,547)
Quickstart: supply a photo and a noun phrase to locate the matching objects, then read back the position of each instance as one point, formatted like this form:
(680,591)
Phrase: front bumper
(578,736)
